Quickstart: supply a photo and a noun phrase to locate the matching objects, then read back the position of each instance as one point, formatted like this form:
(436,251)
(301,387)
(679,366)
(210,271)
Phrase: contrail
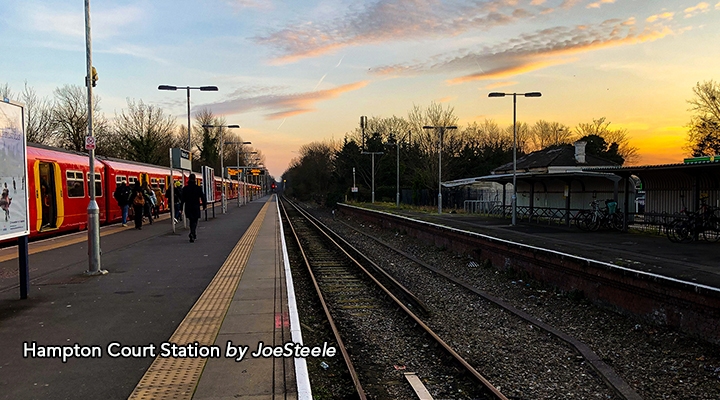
(341,58)
(281,124)
(319,82)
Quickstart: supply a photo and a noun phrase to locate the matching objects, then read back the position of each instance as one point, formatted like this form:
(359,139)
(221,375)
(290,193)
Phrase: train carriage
(58,185)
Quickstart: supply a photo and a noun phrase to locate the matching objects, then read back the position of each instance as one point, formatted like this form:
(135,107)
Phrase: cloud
(700,8)
(281,105)
(665,15)
(258,4)
(105,22)
(388,20)
(532,51)
(597,4)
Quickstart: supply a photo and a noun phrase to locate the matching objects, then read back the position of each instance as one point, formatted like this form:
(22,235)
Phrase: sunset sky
(292,72)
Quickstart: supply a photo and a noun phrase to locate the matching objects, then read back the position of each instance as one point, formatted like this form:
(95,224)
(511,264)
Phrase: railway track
(380,337)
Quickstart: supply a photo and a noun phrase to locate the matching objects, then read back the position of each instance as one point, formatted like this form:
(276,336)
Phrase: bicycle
(690,226)
(597,217)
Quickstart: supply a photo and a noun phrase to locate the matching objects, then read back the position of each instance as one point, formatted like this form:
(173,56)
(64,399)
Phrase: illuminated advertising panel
(14,210)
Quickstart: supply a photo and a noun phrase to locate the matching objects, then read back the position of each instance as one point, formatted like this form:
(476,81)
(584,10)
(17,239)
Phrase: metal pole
(440,172)
(93,211)
(397,195)
(514,195)
(222,173)
(237,161)
(172,193)
(373,177)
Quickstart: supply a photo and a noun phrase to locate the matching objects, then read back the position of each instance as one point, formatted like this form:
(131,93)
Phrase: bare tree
(144,132)
(40,121)
(6,92)
(70,117)
(704,127)
(545,134)
(619,136)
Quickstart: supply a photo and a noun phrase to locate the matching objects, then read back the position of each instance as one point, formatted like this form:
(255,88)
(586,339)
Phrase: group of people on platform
(146,202)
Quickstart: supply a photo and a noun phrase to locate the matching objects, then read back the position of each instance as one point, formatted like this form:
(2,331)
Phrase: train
(58,184)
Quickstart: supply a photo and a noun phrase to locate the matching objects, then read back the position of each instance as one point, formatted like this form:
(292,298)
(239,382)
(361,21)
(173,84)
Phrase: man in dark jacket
(192,197)
(123,195)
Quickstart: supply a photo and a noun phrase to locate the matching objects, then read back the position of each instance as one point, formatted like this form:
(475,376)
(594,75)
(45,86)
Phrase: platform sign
(181,159)
(14,210)
(208,177)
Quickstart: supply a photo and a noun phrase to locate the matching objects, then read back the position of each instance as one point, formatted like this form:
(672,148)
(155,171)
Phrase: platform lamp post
(442,130)
(514,95)
(373,171)
(93,211)
(223,195)
(237,160)
(200,88)
(397,171)
(245,193)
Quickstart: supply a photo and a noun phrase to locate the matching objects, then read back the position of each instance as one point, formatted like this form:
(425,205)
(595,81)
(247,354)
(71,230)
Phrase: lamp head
(233,126)
(208,88)
(167,87)
(533,94)
(496,94)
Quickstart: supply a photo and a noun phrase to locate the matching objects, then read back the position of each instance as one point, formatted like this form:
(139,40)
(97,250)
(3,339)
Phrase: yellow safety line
(177,378)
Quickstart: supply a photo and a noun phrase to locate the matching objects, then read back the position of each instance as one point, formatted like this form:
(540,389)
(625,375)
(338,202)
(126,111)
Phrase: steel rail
(612,380)
(331,321)
(469,368)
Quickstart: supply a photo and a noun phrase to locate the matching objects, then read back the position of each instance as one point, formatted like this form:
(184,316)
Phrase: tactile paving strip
(177,378)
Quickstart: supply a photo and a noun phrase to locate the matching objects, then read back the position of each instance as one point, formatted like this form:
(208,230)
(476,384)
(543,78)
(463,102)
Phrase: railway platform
(696,262)
(171,319)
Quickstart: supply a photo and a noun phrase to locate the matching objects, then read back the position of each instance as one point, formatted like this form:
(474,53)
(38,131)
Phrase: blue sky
(294,72)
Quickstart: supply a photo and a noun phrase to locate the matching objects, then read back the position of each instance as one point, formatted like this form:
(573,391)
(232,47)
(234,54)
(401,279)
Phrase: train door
(48,195)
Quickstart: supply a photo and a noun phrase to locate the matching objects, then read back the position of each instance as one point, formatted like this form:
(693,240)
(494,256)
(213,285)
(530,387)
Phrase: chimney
(580,152)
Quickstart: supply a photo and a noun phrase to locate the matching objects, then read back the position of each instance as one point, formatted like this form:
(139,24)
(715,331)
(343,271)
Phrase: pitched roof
(553,157)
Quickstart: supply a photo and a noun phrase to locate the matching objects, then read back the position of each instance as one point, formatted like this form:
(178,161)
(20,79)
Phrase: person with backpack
(123,196)
(192,197)
(150,201)
(138,204)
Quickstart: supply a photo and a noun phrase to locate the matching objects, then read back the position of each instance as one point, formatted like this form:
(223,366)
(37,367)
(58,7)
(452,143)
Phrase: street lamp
(223,195)
(397,158)
(440,129)
(514,95)
(245,175)
(373,170)
(237,160)
(202,89)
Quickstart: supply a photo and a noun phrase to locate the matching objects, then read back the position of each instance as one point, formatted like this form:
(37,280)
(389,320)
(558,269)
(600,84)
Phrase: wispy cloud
(597,4)
(531,51)
(392,20)
(699,8)
(282,105)
(105,22)
(665,15)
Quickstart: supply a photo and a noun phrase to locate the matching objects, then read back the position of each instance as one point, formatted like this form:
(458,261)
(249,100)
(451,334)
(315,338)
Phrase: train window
(98,184)
(154,183)
(119,179)
(161,181)
(75,187)
(132,180)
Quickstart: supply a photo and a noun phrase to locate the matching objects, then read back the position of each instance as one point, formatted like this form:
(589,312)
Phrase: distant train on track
(59,180)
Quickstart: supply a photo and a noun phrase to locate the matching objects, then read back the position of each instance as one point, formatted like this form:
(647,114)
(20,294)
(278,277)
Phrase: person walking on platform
(178,199)
(192,197)
(123,195)
(149,202)
(138,204)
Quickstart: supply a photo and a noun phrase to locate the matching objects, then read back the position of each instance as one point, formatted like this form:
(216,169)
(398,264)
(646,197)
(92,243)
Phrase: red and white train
(58,187)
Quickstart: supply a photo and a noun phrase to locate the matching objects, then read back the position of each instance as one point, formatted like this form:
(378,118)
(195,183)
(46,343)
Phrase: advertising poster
(14,215)
(208,175)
